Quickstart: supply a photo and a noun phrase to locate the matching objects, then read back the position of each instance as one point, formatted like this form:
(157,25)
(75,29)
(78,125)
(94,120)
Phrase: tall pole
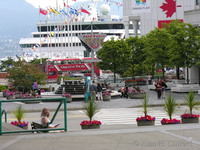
(92,55)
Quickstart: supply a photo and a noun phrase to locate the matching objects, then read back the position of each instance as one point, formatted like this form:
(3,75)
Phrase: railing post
(0,119)
(65,114)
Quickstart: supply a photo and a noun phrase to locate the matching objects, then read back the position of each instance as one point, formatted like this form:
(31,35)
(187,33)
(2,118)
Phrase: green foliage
(191,102)
(170,106)
(19,113)
(3,87)
(113,55)
(23,74)
(6,64)
(91,109)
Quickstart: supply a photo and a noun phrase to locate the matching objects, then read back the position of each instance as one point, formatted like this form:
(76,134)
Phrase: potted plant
(170,107)
(10,95)
(106,96)
(18,94)
(19,115)
(135,93)
(145,120)
(68,96)
(91,109)
(191,102)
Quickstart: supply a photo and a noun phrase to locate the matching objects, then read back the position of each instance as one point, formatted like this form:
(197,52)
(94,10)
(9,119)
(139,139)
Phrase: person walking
(164,87)
(35,87)
(158,85)
(93,90)
(126,91)
(99,92)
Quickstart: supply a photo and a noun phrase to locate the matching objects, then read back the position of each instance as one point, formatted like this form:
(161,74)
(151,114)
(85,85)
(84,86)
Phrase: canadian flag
(44,12)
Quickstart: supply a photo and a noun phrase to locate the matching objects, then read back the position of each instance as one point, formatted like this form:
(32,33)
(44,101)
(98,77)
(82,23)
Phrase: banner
(94,41)
(141,6)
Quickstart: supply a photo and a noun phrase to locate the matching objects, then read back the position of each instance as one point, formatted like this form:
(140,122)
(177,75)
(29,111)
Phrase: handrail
(62,101)
(5,114)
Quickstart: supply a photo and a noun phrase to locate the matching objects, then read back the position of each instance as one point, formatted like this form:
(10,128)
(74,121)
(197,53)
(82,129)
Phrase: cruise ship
(56,39)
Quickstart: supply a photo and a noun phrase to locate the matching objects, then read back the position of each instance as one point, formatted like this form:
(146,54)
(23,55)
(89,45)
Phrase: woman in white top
(45,118)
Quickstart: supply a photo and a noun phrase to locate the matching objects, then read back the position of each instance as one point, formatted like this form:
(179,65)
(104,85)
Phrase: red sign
(72,67)
(161,22)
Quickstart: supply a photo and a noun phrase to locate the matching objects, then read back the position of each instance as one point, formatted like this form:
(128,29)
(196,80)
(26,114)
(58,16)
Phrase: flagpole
(40,39)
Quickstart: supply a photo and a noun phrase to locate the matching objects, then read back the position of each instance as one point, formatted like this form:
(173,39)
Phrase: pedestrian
(99,92)
(164,87)
(35,87)
(158,85)
(93,90)
(126,91)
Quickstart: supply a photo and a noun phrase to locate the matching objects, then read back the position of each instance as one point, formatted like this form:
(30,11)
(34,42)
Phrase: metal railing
(5,115)
(62,100)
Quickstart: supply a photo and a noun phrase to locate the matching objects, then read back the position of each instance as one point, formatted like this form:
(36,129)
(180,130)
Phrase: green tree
(113,54)
(156,48)
(38,61)
(184,47)
(6,64)
(134,60)
(23,74)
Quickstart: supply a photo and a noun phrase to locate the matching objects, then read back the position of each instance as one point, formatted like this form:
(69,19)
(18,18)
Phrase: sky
(19,17)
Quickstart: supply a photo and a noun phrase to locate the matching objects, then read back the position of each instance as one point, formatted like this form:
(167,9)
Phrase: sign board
(94,41)
(141,6)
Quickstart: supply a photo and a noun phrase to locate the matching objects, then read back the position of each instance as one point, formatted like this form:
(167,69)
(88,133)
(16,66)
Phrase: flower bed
(68,96)
(170,121)
(145,118)
(136,92)
(21,124)
(190,118)
(106,96)
(94,124)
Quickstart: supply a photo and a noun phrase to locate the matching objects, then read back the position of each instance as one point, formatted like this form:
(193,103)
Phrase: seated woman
(45,118)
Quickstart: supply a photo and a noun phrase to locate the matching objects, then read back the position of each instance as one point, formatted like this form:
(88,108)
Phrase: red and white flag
(43,11)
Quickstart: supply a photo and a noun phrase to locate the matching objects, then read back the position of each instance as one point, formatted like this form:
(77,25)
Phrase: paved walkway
(109,137)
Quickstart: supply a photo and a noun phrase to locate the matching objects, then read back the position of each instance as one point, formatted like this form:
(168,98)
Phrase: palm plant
(91,109)
(170,106)
(19,113)
(191,102)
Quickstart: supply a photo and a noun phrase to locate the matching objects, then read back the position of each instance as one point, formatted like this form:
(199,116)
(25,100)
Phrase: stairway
(74,87)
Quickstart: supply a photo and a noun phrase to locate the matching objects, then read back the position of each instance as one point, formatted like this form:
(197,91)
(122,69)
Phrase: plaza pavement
(109,137)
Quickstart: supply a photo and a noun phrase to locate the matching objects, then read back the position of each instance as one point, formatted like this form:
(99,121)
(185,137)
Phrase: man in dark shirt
(93,90)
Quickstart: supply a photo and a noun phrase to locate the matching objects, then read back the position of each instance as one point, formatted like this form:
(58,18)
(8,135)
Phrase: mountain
(18,19)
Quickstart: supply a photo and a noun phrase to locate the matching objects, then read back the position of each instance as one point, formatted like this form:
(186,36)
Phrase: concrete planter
(145,123)
(190,120)
(69,99)
(106,97)
(10,96)
(90,127)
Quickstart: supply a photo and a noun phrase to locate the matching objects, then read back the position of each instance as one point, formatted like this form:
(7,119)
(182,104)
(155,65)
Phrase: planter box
(106,97)
(10,96)
(69,99)
(190,120)
(136,95)
(91,127)
(145,123)
(18,95)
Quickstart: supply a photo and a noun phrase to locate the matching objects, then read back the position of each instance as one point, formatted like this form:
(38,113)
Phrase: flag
(73,11)
(63,12)
(51,9)
(85,11)
(44,12)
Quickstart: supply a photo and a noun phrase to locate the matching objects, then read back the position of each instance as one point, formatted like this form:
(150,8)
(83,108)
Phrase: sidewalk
(109,137)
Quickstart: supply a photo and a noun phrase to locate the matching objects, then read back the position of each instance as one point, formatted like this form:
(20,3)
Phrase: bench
(36,125)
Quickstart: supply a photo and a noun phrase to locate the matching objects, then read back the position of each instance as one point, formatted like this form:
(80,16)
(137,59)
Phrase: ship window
(52,73)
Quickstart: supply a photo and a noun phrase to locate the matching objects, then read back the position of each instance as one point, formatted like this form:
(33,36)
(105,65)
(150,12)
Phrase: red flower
(146,118)
(170,121)
(90,123)
(184,116)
